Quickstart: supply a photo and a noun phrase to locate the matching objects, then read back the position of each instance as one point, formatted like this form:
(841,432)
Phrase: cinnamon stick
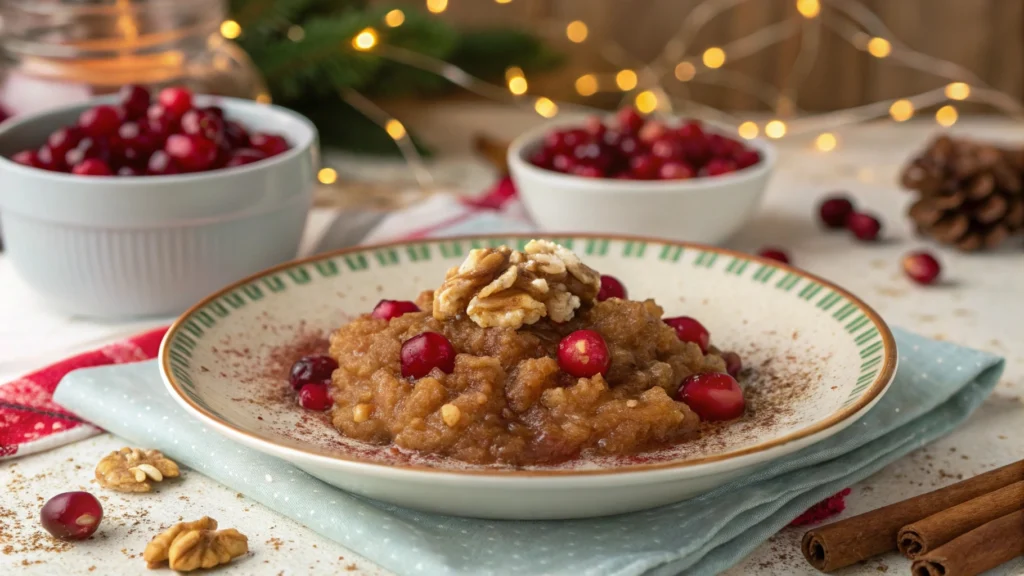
(849,541)
(981,549)
(925,535)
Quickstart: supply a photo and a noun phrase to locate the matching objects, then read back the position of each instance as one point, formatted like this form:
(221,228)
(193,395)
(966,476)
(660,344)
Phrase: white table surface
(980,304)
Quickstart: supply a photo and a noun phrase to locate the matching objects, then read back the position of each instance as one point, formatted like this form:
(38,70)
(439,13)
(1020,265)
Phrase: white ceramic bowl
(707,210)
(818,358)
(152,245)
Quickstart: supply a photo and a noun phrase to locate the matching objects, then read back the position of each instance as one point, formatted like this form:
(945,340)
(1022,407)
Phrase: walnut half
(134,470)
(188,546)
(502,287)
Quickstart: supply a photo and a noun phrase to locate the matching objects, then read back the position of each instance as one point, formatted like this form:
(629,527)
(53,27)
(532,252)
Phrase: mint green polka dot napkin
(701,536)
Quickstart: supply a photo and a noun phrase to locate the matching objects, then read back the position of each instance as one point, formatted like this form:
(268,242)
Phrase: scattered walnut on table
(502,287)
(188,546)
(134,470)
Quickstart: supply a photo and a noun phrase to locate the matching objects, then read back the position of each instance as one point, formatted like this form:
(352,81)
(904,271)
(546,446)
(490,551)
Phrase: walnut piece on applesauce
(134,470)
(500,287)
(188,546)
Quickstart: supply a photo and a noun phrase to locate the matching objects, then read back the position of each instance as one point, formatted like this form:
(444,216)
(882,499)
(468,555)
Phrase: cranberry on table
(269,144)
(690,330)
(864,226)
(421,354)
(134,101)
(244,156)
(388,309)
(71,515)
(193,153)
(100,121)
(92,167)
(713,396)
(733,363)
(834,211)
(774,254)
(611,287)
(315,397)
(922,267)
(176,99)
(313,369)
(583,354)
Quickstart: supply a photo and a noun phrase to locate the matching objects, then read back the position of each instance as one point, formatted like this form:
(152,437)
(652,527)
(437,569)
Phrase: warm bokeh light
(437,6)
(230,29)
(714,57)
(748,130)
(517,85)
(901,110)
(586,85)
(327,176)
(826,142)
(576,31)
(395,129)
(957,91)
(263,98)
(685,71)
(513,72)
(365,40)
(545,107)
(775,129)
(394,18)
(296,33)
(946,116)
(502,1)
(879,47)
(808,8)
(625,79)
(646,102)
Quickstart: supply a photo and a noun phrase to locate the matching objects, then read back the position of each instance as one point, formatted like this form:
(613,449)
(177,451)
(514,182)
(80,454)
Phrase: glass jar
(58,52)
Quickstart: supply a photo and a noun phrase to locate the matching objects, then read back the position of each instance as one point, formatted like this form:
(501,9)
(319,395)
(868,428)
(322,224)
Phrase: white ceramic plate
(817,358)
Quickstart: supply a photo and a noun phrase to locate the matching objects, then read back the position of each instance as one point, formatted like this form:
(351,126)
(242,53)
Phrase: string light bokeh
(658,85)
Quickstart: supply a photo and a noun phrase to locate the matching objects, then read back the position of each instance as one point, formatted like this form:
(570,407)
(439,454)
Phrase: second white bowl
(707,210)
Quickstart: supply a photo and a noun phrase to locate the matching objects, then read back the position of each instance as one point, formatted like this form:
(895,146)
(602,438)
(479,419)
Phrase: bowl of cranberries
(679,179)
(141,203)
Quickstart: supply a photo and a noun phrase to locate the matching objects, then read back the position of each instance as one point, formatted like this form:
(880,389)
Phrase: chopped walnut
(188,546)
(451,414)
(501,287)
(361,412)
(134,470)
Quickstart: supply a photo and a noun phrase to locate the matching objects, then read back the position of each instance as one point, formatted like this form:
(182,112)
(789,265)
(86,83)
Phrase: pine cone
(970,194)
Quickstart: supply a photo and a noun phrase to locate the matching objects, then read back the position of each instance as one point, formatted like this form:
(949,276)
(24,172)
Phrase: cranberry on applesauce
(611,288)
(634,148)
(71,515)
(583,354)
(388,309)
(139,137)
(690,330)
(421,354)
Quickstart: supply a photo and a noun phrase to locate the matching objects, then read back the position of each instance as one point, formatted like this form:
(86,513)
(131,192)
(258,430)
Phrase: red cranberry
(130,171)
(269,144)
(49,161)
(675,171)
(236,134)
(134,101)
(312,369)
(176,99)
(922,267)
(611,288)
(216,110)
(719,166)
(628,146)
(87,148)
(722,146)
(835,210)
(160,164)
(203,123)
(690,330)
(746,158)
(713,396)
(864,226)
(132,145)
(668,149)
(92,167)
(244,156)
(630,121)
(583,354)
(64,139)
(388,309)
(774,254)
(586,171)
(193,153)
(594,126)
(644,167)
(733,363)
(652,132)
(71,515)
(421,354)
(100,121)
(691,130)
(27,158)
(541,158)
(315,397)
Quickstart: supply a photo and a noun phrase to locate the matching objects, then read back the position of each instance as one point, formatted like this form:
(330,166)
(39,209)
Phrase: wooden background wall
(985,36)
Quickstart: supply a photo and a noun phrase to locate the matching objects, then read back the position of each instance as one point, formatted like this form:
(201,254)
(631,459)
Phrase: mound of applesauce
(497,388)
